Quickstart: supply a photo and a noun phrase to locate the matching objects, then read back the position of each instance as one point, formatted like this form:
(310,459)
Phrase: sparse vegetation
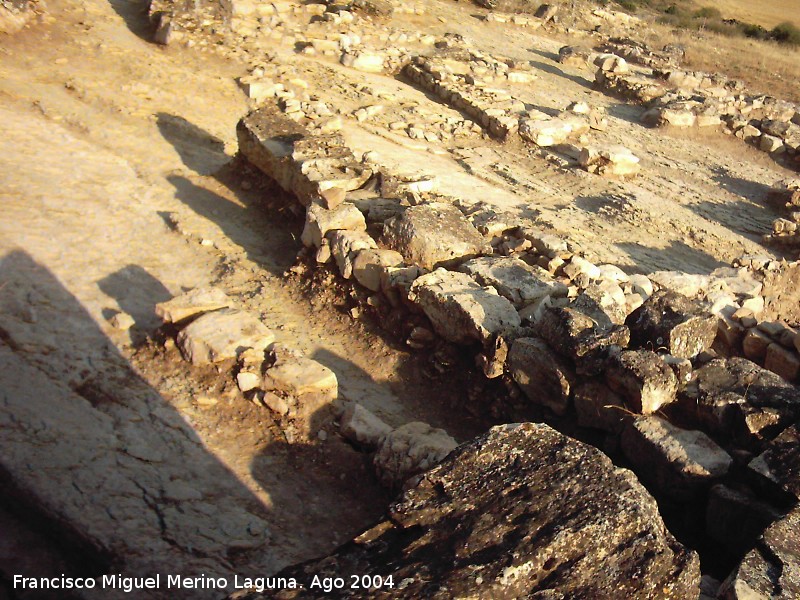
(786,33)
(683,15)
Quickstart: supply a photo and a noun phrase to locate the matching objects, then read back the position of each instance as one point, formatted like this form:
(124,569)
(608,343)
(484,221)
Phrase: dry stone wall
(653,363)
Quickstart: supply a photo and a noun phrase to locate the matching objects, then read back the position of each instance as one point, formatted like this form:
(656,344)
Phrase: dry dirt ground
(115,195)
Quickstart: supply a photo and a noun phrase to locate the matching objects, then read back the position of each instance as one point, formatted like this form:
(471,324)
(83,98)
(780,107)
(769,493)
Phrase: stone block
(434,235)
(191,304)
(319,221)
(363,428)
(460,310)
(222,334)
(642,379)
(546,378)
(680,463)
(370,265)
(670,321)
(514,279)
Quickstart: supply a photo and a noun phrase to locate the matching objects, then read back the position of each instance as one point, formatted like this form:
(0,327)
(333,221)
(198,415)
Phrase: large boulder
(736,398)
(433,235)
(668,320)
(520,512)
(460,310)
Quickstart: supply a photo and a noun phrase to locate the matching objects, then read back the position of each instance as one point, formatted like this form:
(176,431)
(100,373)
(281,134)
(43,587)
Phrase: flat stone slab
(460,310)
(191,304)
(222,334)
(521,511)
(434,235)
(678,462)
(514,279)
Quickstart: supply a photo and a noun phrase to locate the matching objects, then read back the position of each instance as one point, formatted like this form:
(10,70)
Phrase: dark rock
(544,377)
(771,569)
(736,518)
(668,320)
(547,12)
(678,462)
(737,399)
(520,512)
(577,336)
(644,381)
(600,408)
(780,462)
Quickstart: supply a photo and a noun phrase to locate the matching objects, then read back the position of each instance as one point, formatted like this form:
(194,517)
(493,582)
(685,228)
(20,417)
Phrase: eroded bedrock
(522,511)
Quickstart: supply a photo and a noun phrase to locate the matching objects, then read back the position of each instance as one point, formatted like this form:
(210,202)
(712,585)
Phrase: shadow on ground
(93,457)
(134,13)
(677,256)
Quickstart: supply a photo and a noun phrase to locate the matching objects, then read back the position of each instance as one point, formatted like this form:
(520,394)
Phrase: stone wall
(651,363)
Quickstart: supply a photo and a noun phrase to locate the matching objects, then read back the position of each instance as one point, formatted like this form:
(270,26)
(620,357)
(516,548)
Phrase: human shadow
(96,460)
(544,54)
(200,151)
(135,15)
